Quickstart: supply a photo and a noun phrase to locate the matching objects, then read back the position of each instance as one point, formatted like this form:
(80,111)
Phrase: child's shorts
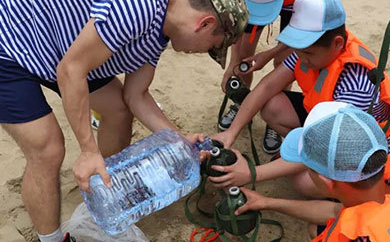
(21,96)
(296,100)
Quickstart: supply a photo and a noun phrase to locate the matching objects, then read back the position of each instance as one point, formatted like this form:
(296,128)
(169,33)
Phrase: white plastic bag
(84,229)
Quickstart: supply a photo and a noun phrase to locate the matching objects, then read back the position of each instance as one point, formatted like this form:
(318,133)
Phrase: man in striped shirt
(329,64)
(76,48)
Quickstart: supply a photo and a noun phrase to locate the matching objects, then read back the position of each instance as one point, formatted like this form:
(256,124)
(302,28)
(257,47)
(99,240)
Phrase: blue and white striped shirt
(353,87)
(37,33)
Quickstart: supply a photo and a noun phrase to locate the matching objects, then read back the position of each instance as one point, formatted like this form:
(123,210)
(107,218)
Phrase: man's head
(316,31)
(341,143)
(233,16)
(212,26)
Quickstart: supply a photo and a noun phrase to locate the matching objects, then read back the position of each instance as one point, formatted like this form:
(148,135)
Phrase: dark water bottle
(219,157)
(241,224)
(236,90)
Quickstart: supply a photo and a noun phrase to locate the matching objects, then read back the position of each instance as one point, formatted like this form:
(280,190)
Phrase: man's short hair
(207,6)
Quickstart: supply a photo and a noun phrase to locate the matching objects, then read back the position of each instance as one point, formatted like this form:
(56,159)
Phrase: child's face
(317,57)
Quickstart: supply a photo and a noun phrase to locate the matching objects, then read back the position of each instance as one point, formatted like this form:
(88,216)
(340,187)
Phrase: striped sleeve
(120,21)
(354,87)
(291,61)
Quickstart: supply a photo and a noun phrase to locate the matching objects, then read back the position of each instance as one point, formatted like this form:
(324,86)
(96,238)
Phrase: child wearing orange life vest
(329,64)
(345,152)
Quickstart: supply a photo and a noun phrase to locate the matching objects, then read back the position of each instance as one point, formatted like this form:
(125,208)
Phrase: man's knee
(119,112)
(41,142)
(117,117)
(49,152)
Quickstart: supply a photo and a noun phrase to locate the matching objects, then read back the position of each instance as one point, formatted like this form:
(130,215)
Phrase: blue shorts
(21,96)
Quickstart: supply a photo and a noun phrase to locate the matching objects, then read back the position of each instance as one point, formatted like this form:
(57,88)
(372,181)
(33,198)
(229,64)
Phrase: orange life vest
(288,2)
(318,86)
(369,219)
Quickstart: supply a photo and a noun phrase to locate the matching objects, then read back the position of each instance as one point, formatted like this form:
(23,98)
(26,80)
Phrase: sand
(188,87)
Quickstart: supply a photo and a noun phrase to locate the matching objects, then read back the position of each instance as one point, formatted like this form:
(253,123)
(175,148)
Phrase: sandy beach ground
(188,87)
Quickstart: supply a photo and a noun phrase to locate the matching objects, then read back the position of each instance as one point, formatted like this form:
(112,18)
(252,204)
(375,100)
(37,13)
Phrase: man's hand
(238,174)
(193,138)
(88,164)
(255,201)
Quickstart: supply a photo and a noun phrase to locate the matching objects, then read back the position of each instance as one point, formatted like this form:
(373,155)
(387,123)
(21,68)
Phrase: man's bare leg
(42,144)
(115,127)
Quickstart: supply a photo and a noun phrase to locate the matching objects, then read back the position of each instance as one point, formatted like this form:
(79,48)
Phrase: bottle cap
(215,152)
(234,191)
(244,66)
(234,83)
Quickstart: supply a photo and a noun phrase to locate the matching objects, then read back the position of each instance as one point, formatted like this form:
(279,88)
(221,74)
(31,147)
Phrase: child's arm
(269,86)
(262,58)
(238,174)
(313,211)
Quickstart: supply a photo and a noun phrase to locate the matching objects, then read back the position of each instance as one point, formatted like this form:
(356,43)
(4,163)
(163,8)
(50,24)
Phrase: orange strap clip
(206,235)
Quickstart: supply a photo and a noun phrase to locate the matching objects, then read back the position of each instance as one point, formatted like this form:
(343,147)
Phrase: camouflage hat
(233,15)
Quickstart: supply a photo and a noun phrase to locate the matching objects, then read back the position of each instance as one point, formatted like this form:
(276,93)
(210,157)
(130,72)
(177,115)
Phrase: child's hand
(258,62)
(228,73)
(255,201)
(238,174)
(225,137)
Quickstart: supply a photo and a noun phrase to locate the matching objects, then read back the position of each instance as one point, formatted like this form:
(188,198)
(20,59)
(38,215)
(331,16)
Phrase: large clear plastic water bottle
(146,176)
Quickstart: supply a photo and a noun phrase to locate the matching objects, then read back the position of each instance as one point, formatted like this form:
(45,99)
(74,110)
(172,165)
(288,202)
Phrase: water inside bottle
(143,184)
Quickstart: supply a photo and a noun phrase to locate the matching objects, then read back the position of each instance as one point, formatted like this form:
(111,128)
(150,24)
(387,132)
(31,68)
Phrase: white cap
(310,20)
